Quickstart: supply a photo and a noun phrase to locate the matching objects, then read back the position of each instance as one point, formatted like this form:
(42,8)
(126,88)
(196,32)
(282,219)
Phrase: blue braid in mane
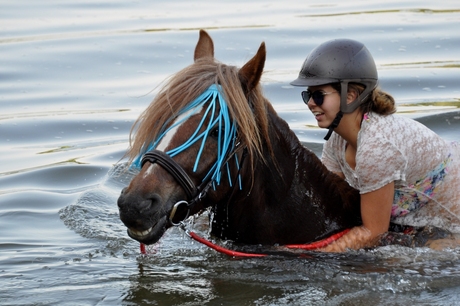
(220,119)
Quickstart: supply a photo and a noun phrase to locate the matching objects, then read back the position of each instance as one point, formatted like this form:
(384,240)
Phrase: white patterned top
(395,148)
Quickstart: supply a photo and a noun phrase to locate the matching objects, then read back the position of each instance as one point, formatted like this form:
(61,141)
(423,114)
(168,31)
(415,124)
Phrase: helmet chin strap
(343,105)
(346,108)
(333,125)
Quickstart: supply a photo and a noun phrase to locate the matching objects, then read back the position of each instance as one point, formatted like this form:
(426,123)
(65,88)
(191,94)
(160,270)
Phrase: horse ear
(251,72)
(204,47)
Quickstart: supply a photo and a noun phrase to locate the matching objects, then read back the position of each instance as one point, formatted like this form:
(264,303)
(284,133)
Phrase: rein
(307,247)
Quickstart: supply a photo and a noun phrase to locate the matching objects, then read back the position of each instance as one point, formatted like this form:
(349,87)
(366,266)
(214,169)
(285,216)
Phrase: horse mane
(185,86)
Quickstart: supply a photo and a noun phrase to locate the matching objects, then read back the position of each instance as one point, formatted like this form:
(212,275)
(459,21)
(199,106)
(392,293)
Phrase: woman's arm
(375,213)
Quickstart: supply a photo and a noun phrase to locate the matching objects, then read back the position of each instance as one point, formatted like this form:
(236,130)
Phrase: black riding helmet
(341,61)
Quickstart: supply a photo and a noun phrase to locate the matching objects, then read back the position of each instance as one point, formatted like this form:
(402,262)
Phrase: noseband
(173,168)
(194,193)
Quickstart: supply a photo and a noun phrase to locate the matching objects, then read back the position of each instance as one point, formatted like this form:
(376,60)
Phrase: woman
(397,164)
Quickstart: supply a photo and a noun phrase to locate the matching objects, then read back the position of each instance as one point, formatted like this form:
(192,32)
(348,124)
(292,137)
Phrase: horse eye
(214,133)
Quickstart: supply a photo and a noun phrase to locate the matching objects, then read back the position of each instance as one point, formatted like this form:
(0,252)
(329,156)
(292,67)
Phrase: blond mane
(187,85)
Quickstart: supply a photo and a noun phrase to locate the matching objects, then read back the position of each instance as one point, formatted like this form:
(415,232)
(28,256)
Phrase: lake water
(74,75)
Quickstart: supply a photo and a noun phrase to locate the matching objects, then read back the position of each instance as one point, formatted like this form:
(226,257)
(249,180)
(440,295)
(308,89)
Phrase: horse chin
(151,235)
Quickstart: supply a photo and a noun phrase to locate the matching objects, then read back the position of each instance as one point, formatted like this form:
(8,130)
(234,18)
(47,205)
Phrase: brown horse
(211,139)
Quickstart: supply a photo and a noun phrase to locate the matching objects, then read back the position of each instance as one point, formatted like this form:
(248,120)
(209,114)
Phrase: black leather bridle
(194,193)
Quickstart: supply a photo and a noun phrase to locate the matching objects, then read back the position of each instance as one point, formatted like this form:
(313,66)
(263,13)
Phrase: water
(74,77)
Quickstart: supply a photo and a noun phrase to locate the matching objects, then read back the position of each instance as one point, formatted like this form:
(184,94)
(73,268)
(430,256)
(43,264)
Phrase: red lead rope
(318,244)
(143,249)
(221,249)
(311,246)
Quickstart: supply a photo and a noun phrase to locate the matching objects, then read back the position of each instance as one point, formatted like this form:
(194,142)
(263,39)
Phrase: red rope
(222,249)
(311,246)
(318,244)
(142,246)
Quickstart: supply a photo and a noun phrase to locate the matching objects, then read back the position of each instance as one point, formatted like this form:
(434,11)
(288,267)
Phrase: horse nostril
(134,203)
(144,207)
(147,205)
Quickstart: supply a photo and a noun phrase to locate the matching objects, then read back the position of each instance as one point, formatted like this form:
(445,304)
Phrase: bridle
(194,193)
(228,146)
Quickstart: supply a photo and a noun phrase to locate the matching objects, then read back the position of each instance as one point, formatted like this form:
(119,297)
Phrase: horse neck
(293,198)
(306,177)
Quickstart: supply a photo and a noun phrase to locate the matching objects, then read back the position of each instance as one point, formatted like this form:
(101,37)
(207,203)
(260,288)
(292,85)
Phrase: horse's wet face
(145,205)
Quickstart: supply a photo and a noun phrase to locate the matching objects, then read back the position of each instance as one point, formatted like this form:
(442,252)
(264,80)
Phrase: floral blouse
(423,166)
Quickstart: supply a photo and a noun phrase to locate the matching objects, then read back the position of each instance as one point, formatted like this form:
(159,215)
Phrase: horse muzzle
(150,235)
(142,217)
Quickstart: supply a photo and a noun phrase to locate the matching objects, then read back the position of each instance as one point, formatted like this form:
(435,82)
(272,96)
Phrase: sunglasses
(317,96)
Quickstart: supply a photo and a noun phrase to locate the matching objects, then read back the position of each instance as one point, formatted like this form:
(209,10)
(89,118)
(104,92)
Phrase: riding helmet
(340,61)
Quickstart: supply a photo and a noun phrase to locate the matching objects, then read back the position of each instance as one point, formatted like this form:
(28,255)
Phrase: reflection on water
(76,75)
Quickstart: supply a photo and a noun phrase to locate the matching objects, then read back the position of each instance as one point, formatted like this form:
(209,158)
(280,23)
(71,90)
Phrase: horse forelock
(187,85)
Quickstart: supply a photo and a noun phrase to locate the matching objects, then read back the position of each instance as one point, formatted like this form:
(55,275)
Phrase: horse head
(190,143)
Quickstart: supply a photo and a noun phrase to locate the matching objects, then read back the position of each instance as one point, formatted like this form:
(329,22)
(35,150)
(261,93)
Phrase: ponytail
(381,103)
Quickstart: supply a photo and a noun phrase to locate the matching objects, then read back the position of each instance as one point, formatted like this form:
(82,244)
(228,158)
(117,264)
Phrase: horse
(211,139)
(276,191)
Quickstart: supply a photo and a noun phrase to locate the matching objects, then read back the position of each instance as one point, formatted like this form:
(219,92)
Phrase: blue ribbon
(217,110)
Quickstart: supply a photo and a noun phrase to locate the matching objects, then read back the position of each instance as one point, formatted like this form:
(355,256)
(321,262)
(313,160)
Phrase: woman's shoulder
(390,124)
(371,117)
(399,131)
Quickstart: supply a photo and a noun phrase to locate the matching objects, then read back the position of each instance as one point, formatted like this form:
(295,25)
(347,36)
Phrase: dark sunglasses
(317,96)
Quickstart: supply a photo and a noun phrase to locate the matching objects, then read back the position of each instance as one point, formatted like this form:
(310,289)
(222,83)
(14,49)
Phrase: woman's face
(326,112)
